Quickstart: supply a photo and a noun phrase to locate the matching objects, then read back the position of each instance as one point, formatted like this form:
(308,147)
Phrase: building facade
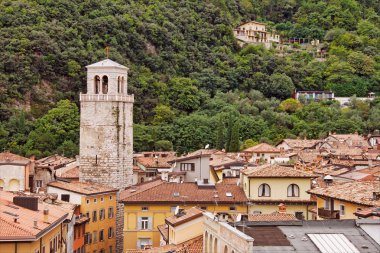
(106,131)
(14,172)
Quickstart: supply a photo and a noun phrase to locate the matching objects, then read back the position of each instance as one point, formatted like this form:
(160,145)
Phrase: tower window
(122,85)
(118,84)
(97,84)
(105,84)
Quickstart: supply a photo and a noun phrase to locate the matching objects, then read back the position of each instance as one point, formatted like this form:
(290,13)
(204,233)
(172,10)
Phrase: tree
(229,131)
(219,143)
(163,114)
(290,105)
(248,143)
(184,94)
(280,85)
(234,142)
(163,145)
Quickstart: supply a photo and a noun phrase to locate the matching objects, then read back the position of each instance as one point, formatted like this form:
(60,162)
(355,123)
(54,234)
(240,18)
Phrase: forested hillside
(193,84)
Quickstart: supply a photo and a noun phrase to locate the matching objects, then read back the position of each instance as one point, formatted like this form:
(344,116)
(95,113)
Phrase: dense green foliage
(184,64)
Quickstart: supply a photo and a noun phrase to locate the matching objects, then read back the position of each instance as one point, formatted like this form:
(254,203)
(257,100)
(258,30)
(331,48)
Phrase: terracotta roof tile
(165,192)
(164,231)
(86,188)
(275,170)
(272,217)
(139,188)
(71,173)
(196,154)
(55,161)
(184,216)
(354,192)
(153,162)
(24,228)
(262,148)
(297,143)
(10,157)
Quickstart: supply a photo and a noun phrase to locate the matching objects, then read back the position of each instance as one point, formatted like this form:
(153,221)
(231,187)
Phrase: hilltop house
(256,33)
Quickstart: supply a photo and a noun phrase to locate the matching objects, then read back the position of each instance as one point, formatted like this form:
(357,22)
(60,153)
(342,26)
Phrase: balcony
(106,97)
(328,214)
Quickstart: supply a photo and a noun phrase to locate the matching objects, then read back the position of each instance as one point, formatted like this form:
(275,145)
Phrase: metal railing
(106,97)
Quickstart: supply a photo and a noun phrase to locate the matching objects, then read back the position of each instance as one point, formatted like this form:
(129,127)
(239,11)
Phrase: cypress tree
(220,135)
(229,132)
(234,142)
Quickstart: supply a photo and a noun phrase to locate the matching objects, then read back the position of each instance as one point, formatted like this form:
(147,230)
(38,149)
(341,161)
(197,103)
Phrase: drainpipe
(15,247)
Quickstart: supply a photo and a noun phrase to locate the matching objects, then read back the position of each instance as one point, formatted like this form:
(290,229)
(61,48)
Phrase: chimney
(35,224)
(282,208)
(328,180)
(30,203)
(46,215)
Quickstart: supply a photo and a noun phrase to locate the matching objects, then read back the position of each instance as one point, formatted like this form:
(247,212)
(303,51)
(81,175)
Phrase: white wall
(11,171)
(75,198)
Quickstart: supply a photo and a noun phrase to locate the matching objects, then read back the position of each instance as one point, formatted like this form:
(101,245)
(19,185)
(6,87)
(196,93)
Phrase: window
(95,233)
(102,251)
(87,201)
(342,210)
(43,249)
(110,249)
(88,215)
(144,223)
(75,233)
(110,212)
(38,183)
(102,214)
(105,84)
(110,197)
(95,200)
(97,84)
(94,218)
(144,208)
(101,235)
(327,204)
(88,238)
(110,232)
(293,190)
(172,209)
(187,167)
(232,208)
(264,190)
(203,208)
(142,243)
(101,199)
(65,197)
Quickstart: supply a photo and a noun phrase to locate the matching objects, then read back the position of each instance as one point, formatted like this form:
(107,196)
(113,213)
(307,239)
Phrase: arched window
(264,190)
(225,249)
(293,190)
(142,180)
(122,85)
(97,84)
(118,84)
(105,84)
(14,185)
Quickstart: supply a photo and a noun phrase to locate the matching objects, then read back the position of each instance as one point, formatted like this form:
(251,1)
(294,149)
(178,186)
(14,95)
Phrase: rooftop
(262,148)
(184,216)
(272,217)
(196,154)
(54,161)
(275,170)
(298,143)
(106,63)
(8,157)
(85,188)
(30,225)
(157,192)
(355,192)
(155,161)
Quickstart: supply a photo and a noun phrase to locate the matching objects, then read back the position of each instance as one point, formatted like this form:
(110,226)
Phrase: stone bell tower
(106,133)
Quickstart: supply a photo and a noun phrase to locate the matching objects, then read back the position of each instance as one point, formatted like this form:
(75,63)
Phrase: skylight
(229,194)
(176,194)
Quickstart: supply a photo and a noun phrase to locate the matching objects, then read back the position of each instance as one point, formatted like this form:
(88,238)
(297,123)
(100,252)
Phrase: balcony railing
(328,214)
(106,97)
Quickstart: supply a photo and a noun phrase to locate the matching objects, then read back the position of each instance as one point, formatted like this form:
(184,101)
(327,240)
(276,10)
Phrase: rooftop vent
(30,203)
(328,179)
(228,194)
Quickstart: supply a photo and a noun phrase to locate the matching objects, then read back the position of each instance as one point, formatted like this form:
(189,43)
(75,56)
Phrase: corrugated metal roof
(337,243)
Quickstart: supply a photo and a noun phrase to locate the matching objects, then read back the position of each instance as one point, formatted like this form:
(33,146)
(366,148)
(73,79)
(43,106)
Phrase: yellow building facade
(137,235)
(100,232)
(98,203)
(146,206)
(50,242)
(268,186)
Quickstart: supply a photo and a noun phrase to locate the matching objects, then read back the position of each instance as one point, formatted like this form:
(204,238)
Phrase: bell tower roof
(106,63)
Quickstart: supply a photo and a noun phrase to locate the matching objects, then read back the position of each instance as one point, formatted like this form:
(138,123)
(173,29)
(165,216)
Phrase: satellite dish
(238,218)
(176,211)
(207,146)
